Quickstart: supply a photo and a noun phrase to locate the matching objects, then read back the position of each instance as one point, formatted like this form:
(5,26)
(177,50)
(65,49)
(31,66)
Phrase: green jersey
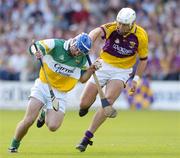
(63,69)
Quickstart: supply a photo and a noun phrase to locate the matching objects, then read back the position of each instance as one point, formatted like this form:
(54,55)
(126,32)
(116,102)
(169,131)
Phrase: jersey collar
(66,44)
(133,30)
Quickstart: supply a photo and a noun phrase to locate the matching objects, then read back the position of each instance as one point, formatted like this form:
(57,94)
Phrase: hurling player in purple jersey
(124,42)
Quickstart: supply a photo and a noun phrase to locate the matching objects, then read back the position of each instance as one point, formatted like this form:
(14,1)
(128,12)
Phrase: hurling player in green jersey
(65,64)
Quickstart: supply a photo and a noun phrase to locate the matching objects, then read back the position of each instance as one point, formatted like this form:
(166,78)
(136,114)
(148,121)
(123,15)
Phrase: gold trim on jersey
(44,45)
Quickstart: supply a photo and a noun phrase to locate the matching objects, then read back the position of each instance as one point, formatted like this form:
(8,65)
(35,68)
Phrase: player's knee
(53,128)
(83,103)
(86,103)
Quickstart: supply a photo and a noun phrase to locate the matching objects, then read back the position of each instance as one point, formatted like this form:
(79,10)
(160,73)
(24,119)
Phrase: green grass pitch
(133,134)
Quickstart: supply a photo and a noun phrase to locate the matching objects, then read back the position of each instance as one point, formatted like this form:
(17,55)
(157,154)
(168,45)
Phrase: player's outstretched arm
(139,72)
(87,74)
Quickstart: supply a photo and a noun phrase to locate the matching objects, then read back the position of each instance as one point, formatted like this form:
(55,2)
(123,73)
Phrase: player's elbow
(94,34)
(82,80)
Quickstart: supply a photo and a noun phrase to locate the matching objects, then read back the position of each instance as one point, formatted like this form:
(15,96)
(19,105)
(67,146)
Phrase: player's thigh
(54,118)
(89,94)
(33,108)
(114,89)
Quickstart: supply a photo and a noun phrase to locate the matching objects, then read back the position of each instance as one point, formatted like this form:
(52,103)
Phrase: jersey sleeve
(143,45)
(44,45)
(84,68)
(107,29)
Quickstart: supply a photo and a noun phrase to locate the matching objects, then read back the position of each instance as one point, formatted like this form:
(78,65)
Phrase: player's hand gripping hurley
(108,109)
(55,103)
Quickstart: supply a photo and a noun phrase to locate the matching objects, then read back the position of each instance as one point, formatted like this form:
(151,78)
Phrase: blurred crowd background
(24,20)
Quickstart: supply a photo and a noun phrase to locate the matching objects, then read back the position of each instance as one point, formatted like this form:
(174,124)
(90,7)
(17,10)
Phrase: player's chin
(123,33)
(76,54)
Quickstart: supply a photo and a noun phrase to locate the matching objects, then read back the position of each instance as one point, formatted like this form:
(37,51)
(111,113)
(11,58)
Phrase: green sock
(15,143)
(43,114)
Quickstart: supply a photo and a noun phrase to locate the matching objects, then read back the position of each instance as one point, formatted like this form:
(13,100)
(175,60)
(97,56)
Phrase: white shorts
(41,92)
(108,72)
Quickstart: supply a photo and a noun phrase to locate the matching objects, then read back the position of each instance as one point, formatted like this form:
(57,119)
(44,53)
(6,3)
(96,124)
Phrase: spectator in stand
(56,18)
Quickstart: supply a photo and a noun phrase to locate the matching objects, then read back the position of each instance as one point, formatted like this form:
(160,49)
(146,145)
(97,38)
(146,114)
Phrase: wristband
(136,78)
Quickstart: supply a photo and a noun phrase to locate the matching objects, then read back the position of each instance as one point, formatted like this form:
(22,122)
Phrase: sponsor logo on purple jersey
(120,46)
